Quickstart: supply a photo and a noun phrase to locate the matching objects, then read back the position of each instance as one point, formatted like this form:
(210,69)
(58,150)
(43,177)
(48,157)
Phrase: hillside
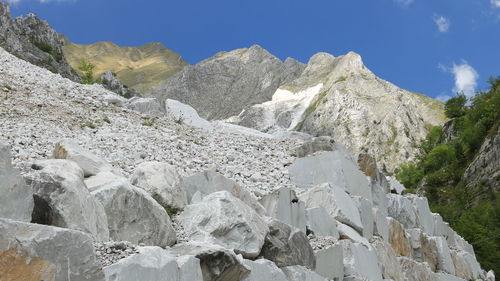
(140,68)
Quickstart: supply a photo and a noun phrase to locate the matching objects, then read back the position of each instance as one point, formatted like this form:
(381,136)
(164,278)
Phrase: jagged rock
(313,145)
(150,264)
(330,262)
(104,179)
(399,239)
(149,106)
(162,182)
(227,83)
(33,40)
(490,275)
(416,271)
(416,242)
(381,225)
(217,263)
(440,227)
(223,219)
(62,199)
(330,167)
(360,261)
(368,165)
(394,185)
(39,252)
(380,200)
(284,205)
(455,241)
(365,208)
(133,215)
(90,163)
(208,182)
(347,232)
(300,273)
(16,198)
(336,203)
(466,265)
(321,223)
(287,246)
(185,114)
(388,260)
(110,82)
(424,216)
(448,277)
(435,252)
(263,269)
(402,209)
(189,268)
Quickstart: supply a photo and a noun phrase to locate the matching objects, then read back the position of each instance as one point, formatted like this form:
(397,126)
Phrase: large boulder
(189,268)
(435,252)
(150,264)
(425,217)
(149,106)
(399,238)
(185,114)
(286,246)
(209,181)
(330,262)
(308,147)
(402,209)
(223,219)
(394,185)
(90,163)
(162,181)
(217,263)
(38,252)
(388,259)
(133,215)
(16,198)
(300,273)
(466,265)
(360,261)
(336,202)
(284,205)
(365,208)
(263,269)
(62,199)
(416,271)
(381,225)
(321,223)
(336,168)
(347,232)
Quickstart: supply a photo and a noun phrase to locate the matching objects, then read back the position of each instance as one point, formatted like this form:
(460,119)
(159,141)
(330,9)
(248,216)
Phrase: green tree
(88,72)
(455,107)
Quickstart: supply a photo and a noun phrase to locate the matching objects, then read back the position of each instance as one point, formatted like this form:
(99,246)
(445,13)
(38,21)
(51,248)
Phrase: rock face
(38,252)
(287,246)
(110,82)
(149,106)
(284,205)
(62,199)
(223,219)
(263,269)
(360,262)
(33,40)
(162,181)
(133,215)
(399,239)
(224,85)
(16,198)
(329,263)
(341,98)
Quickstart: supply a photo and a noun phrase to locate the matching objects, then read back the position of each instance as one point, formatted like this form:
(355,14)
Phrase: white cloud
(406,3)
(442,23)
(465,78)
(443,98)
(495,3)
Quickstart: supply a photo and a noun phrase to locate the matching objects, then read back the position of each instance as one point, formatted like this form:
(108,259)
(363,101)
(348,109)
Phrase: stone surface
(346,232)
(112,83)
(395,185)
(185,114)
(39,252)
(321,223)
(284,205)
(424,216)
(286,246)
(133,215)
(104,179)
(189,268)
(330,262)
(216,263)
(388,260)
(90,163)
(162,182)
(300,273)
(62,199)
(16,198)
(336,203)
(435,252)
(335,168)
(150,264)
(209,181)
(263,269)
(416,271)
(365,208)
(399,238)
(360,261)
(381,225)
(448,277)
(403,210)
(223,219)
(149,106)
(313,145)
(465,264)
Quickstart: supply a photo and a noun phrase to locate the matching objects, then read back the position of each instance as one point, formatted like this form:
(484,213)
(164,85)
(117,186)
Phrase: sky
(434,47)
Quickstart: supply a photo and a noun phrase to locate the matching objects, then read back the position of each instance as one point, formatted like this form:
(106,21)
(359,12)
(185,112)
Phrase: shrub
(88,72)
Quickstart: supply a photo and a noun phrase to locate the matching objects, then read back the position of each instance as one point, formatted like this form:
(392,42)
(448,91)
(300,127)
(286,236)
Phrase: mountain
(139,68)
(92,190)
(227,83)
(33,40)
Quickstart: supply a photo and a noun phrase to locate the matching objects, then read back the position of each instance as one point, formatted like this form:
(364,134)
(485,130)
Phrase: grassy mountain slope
(140,68)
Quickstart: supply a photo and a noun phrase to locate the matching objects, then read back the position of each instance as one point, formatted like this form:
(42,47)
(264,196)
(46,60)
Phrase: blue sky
(435,47)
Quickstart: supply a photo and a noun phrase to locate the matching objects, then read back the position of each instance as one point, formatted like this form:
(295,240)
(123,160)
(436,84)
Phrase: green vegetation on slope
(471,208)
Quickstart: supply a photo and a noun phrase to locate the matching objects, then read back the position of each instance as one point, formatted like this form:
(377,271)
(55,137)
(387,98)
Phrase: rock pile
(120,193)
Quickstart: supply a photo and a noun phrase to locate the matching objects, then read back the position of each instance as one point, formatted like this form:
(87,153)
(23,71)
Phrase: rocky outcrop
(110,82)
(33,40)
(284,205)
(227,83)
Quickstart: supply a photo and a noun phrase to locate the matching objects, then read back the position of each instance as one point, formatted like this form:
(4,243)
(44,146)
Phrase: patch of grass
(89,124)
(341,79)
(394,135)
(106,119)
